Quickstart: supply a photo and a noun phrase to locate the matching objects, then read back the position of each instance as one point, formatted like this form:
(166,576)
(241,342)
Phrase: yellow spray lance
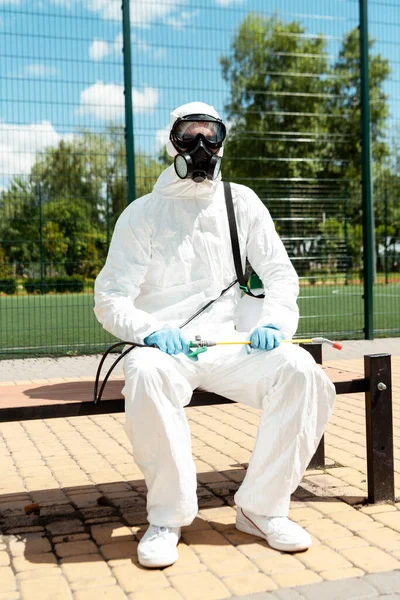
(201,345)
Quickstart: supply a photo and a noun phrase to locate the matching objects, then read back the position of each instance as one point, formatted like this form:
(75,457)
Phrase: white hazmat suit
(169,255)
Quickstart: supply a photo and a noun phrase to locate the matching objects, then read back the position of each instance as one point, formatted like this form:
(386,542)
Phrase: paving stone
(109,593)
(97,583)
(75,548)
(163,594)
(286,594)
(385,583)
(58,510)
(325,529)
(7,580)
(20,523)
(318,557)
(33,543)
(295,578)
(34,561)
(333,574)
(385,538)
(204,541)
(350,541)
(280,563)
(39,573)
(197,525)
(338,590)
(246,583)
(45,589)
(74,537)
(87,567)
(111,532)
(391,519)
(119,552)
(354,520)
(65,527)
(134,578)
(371,559)
(198,586)
(223,565)
(372,509)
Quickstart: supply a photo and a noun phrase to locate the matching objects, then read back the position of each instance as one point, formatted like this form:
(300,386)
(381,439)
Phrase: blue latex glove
(265,338)
(170,341)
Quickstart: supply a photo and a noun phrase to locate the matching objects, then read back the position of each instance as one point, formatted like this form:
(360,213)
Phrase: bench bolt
(381,386)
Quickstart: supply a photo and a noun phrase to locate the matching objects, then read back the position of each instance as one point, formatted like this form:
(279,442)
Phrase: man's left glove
(265,338)
(169,340)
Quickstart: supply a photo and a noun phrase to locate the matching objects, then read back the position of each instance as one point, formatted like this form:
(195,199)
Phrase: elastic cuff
(157,518)
(275,508)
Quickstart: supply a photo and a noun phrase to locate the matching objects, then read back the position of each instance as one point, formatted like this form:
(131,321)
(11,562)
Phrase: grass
(63,324)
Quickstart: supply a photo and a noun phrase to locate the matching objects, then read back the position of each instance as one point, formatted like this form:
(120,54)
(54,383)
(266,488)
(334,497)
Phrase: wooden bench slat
(67,399)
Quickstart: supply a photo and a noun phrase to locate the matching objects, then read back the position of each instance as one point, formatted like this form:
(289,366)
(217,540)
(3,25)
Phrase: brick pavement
(81,541)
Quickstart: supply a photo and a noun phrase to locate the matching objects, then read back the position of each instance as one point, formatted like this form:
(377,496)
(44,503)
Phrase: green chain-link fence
(284,75)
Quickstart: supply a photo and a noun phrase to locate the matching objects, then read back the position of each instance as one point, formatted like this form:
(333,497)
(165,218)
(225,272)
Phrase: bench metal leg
(378,410)
(318,460)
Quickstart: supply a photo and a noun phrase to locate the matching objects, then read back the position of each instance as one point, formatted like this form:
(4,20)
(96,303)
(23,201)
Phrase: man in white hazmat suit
(170,254)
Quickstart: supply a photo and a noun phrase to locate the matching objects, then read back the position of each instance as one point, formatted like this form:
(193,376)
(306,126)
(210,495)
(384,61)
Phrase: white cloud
(228,2)
(20,144)
(162,136)
(105,101)
(143,12)
(144,101)
(143,46)
(119,43)
(38,70)
(179,21)
(99,49)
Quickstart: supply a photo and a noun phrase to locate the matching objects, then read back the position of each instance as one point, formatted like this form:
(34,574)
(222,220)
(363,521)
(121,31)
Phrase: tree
(277,121)
(294,131)
(344,108)
(64,211)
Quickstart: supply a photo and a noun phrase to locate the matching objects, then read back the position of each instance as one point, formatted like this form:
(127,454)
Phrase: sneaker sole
(247,527)
(157,563)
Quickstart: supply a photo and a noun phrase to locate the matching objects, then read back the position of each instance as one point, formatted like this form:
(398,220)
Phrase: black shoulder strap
(235,241)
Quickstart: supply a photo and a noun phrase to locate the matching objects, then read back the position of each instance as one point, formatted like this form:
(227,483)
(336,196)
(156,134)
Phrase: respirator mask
(194,137)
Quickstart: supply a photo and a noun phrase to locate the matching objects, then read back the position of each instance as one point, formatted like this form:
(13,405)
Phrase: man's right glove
(169,340)
(265,338)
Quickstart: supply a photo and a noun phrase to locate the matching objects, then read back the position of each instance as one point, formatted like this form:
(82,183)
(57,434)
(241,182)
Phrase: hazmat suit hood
(169,185)
(192,108)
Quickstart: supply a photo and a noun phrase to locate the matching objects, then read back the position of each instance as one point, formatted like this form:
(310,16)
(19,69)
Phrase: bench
(76,399)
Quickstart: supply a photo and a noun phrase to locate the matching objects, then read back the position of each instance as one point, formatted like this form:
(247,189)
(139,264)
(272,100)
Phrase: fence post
(41,249)
(367,203)
(129,137)
(386,235)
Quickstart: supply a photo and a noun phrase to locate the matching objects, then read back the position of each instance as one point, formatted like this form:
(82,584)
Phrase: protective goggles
(186,130)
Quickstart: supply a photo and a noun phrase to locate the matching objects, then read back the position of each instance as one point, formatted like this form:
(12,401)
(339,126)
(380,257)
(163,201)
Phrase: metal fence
(284,75)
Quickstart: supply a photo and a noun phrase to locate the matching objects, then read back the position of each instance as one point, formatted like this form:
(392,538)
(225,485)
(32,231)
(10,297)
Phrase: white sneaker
(157,548)
(280,532)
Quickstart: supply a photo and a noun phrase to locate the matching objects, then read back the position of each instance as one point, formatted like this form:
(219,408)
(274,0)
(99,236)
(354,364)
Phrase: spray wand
(201,345)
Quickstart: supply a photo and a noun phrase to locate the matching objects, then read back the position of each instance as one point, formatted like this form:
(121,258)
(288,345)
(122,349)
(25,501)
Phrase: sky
(61,67)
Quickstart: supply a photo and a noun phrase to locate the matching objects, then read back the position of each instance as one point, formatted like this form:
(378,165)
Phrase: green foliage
(344,108)
(271,102)
(294,136)
(75,283)
(5,270)
(63,214)
(8,285)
